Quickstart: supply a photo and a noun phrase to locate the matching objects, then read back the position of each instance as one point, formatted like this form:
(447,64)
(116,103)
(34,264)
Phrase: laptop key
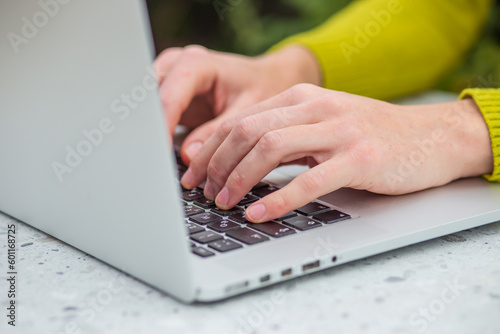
(224,245)
(260,185)
(205,218)
(302,223)
(273,229)
(224,225)
(332,216)
(247,236)
(190,210)
(286,216)
(227,212)
(201,251)
(193,228)
(261,192)
(313,208)
(239,218)
(248,199)
(204,202)
(191,195)
(206,237)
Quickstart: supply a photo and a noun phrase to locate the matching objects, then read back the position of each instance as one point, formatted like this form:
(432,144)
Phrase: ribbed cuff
(488,101)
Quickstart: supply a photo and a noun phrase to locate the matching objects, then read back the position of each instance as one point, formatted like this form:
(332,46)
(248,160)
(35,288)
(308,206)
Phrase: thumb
(195,140)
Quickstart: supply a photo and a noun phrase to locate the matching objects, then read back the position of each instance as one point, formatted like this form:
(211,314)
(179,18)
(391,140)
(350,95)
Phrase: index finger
(165,61)
(306,187)
(192,75)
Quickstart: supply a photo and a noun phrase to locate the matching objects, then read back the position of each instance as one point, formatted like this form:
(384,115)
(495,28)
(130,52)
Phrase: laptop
(87,159)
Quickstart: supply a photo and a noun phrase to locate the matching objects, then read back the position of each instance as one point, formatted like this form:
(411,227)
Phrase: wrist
(471,135)
(293,65)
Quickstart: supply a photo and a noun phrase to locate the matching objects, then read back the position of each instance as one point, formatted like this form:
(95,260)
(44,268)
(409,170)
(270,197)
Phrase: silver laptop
(85,157)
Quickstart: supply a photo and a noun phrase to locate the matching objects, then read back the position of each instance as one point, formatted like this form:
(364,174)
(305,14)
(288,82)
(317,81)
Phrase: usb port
(266,278)
(310,266)
(286,272)
(237,286)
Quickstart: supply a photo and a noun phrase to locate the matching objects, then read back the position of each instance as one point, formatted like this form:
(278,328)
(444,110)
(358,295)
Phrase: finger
(193,74)
(306,187)
(257,134)
(200,155)
(197,171)
(165,61)
(297,94)
(195,140)
(275,147)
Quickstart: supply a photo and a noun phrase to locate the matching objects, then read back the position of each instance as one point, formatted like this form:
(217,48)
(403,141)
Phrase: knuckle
(246,127)
(298,92)
(280,201)
(194,52)
(213,171)
(225,128)
(304,86)
(169,53)
(292,93)
(237,180)
(271,141)
(280,118)
(312,180)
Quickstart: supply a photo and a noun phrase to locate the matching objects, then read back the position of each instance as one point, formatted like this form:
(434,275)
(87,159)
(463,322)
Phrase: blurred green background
(251,26)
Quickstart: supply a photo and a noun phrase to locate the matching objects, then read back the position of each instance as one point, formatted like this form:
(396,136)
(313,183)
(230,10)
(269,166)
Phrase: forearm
(292,64)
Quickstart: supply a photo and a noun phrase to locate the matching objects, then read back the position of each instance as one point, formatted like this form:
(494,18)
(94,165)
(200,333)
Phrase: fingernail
(193,149)
(223,198)
(256,212)
(209,191)
(187,179)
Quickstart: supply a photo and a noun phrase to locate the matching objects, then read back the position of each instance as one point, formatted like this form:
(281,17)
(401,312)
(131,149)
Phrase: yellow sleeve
(389,48)
(488,101)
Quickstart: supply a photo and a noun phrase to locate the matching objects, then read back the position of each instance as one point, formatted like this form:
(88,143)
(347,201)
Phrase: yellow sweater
(389,48)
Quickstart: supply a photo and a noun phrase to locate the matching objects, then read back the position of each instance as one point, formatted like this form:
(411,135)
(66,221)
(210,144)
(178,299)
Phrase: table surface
(446,285)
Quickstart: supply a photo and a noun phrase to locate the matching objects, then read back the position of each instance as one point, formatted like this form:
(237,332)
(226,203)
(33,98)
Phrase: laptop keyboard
(214,231)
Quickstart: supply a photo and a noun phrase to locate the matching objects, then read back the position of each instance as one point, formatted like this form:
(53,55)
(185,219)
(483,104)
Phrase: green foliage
(242,26)
(482,66)
(251,26)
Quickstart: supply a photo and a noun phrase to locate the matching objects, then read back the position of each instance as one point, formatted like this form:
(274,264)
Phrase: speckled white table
(446,285)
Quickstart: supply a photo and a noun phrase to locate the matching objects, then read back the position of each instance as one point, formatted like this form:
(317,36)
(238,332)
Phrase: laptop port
(266,278)
(310,266)
(237,286)
(334,259)
(286,272)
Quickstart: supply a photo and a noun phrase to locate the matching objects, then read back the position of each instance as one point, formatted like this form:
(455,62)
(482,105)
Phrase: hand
(348,140)
(200,88)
